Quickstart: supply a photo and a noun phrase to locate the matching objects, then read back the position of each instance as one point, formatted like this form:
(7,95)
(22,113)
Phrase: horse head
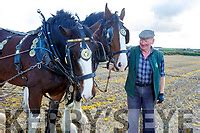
(112,34)
(74,45)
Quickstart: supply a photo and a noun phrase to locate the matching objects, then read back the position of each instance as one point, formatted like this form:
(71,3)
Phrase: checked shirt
(144,74)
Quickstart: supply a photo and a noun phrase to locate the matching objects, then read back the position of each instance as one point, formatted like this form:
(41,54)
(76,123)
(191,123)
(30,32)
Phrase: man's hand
(160,98)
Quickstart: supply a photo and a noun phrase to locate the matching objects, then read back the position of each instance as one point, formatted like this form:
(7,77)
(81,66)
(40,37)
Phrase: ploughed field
(107,112)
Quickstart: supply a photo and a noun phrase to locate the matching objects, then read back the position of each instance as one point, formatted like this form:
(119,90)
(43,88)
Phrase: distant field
(107,112)
(176,51)
(179,51)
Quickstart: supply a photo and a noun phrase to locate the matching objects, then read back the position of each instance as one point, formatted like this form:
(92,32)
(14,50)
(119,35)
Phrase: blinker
(108,34)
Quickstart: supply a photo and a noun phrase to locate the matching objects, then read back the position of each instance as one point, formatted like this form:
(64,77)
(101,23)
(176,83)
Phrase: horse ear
(65,31)
(122,14)
(107,13)
(95,26)
(95,29)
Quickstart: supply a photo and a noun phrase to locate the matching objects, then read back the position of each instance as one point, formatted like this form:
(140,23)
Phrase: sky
(176,22)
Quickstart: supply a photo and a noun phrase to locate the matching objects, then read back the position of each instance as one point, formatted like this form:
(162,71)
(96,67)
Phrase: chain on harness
(38,65)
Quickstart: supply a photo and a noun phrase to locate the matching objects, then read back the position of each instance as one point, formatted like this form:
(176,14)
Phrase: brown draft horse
(57,55)
(112,34)
(112,37)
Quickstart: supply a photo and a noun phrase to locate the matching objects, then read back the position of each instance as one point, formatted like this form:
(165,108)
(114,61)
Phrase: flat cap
(145,34)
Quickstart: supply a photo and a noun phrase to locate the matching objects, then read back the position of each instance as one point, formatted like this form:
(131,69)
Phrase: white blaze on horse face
(122,60)
(86,66)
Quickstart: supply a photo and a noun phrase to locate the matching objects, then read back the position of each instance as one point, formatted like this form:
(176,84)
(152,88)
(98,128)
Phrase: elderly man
(145,82)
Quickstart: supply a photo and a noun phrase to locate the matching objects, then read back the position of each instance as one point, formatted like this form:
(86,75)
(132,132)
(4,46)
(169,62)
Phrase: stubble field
(107,112)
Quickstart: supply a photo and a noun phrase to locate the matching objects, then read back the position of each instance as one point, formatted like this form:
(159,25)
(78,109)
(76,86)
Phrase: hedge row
(174,51)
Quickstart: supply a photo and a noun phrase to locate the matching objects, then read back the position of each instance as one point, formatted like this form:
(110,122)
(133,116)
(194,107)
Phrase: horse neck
(14,32)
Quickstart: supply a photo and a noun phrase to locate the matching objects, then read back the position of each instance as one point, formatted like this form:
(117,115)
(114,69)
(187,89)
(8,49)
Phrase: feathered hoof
(73,128)
(2,119)
(84,119)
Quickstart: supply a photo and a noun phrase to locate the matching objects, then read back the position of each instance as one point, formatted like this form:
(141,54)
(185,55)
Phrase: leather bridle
(107,37)
(66,68)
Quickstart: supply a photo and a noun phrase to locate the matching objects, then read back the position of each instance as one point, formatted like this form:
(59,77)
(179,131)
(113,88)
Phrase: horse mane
(63,18)
(93,18)
(66,20)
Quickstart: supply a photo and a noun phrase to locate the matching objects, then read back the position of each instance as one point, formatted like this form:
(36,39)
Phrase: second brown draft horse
(49,60)
(112,35)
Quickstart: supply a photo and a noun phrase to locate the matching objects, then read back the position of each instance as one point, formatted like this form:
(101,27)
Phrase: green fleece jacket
(155,59)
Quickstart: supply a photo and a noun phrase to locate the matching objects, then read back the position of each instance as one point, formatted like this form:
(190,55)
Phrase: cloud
(166,12)
(166,26)
(169,8)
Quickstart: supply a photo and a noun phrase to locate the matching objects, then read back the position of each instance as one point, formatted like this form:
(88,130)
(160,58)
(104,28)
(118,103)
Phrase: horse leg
(83,118)
(1,85)
(35,98)
(3,123)
(1,81)
(67,125)
(25,104)
(51,116)
(33,122)
(52,112)
(77,107)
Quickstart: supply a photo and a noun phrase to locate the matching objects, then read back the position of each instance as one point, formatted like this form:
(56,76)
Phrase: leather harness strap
(17,57)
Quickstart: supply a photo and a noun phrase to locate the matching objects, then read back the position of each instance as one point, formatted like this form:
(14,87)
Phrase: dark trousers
(143,100)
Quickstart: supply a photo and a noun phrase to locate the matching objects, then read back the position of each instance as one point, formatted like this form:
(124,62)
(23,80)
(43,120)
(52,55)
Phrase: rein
(11,55)
(107,82)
